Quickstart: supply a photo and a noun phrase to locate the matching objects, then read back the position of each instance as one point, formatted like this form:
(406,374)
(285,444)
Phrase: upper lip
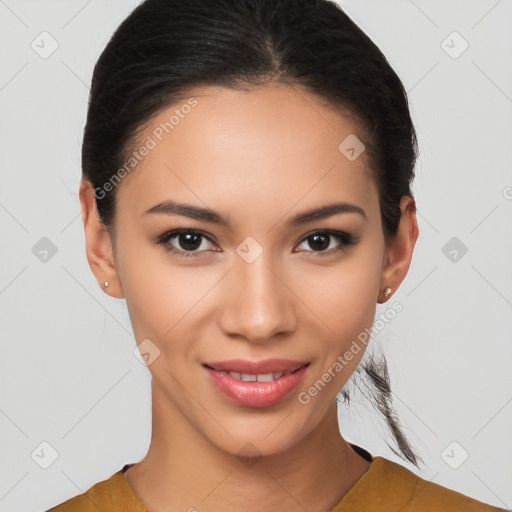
(256,367)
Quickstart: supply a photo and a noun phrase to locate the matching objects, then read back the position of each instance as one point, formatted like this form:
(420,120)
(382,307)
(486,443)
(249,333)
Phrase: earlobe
(385,294)
(399,253)
(98,244)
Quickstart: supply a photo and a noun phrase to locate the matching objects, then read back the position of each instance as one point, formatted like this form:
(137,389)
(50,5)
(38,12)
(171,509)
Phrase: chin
(259,436)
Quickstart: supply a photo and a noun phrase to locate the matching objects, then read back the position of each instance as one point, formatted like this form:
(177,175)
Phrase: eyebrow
(205,214)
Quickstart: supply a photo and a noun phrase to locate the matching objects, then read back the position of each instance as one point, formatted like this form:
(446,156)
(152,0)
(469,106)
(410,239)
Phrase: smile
(251,384)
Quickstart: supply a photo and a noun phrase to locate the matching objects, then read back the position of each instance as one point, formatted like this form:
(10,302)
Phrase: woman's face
(249,282)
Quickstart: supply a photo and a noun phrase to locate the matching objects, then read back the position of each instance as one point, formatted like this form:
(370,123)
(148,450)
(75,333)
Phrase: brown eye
(189,241)
(185,242)
(319,242)
(328,242)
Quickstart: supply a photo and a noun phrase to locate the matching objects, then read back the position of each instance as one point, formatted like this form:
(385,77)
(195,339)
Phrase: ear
(99,249)
(397,258)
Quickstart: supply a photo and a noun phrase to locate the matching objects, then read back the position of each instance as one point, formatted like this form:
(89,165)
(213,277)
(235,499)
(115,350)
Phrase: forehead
(259,147)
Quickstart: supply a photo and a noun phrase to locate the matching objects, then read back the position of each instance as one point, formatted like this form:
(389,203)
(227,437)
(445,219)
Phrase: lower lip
(256,394)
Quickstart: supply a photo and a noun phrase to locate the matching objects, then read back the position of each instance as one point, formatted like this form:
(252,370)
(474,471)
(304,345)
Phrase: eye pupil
(316,237)
(188,245)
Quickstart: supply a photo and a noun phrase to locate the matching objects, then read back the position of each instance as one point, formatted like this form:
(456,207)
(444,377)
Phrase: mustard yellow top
(385,487)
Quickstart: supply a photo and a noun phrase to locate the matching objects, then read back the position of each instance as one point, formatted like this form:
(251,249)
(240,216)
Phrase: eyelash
(345,239)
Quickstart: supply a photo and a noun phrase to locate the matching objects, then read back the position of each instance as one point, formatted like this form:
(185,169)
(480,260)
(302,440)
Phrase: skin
(257,157)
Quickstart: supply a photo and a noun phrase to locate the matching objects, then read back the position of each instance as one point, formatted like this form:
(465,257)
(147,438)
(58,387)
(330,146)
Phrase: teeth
(265,377)
(248,377)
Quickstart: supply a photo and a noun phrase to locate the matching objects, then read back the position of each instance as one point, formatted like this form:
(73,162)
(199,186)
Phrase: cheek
(343,298)
(344,310)
(161,295)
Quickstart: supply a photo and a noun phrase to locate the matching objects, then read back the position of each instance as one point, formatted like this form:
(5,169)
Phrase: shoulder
(427,495)
(388,486)
(418,494)
(112,494)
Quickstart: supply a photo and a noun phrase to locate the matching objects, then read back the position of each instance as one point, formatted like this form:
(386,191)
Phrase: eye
(189,241)
(320,242)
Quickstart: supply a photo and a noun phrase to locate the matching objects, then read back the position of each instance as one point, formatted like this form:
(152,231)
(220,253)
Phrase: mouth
(256,384)
(262,371)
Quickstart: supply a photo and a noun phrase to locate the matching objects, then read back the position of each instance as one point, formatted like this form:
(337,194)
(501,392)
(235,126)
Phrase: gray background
(68,374)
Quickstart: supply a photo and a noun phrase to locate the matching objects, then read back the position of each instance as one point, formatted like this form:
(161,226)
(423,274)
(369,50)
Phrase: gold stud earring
(387,293)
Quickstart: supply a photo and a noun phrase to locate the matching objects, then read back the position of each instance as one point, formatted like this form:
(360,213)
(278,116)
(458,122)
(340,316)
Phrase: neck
(184,471)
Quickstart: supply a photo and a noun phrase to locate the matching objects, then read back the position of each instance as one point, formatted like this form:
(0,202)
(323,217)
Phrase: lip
(256,394)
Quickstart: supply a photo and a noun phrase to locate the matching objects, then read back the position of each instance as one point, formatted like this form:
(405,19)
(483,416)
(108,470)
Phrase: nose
(257,304)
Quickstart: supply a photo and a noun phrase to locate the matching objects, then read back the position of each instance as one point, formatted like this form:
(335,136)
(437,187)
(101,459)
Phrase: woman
(246,188)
